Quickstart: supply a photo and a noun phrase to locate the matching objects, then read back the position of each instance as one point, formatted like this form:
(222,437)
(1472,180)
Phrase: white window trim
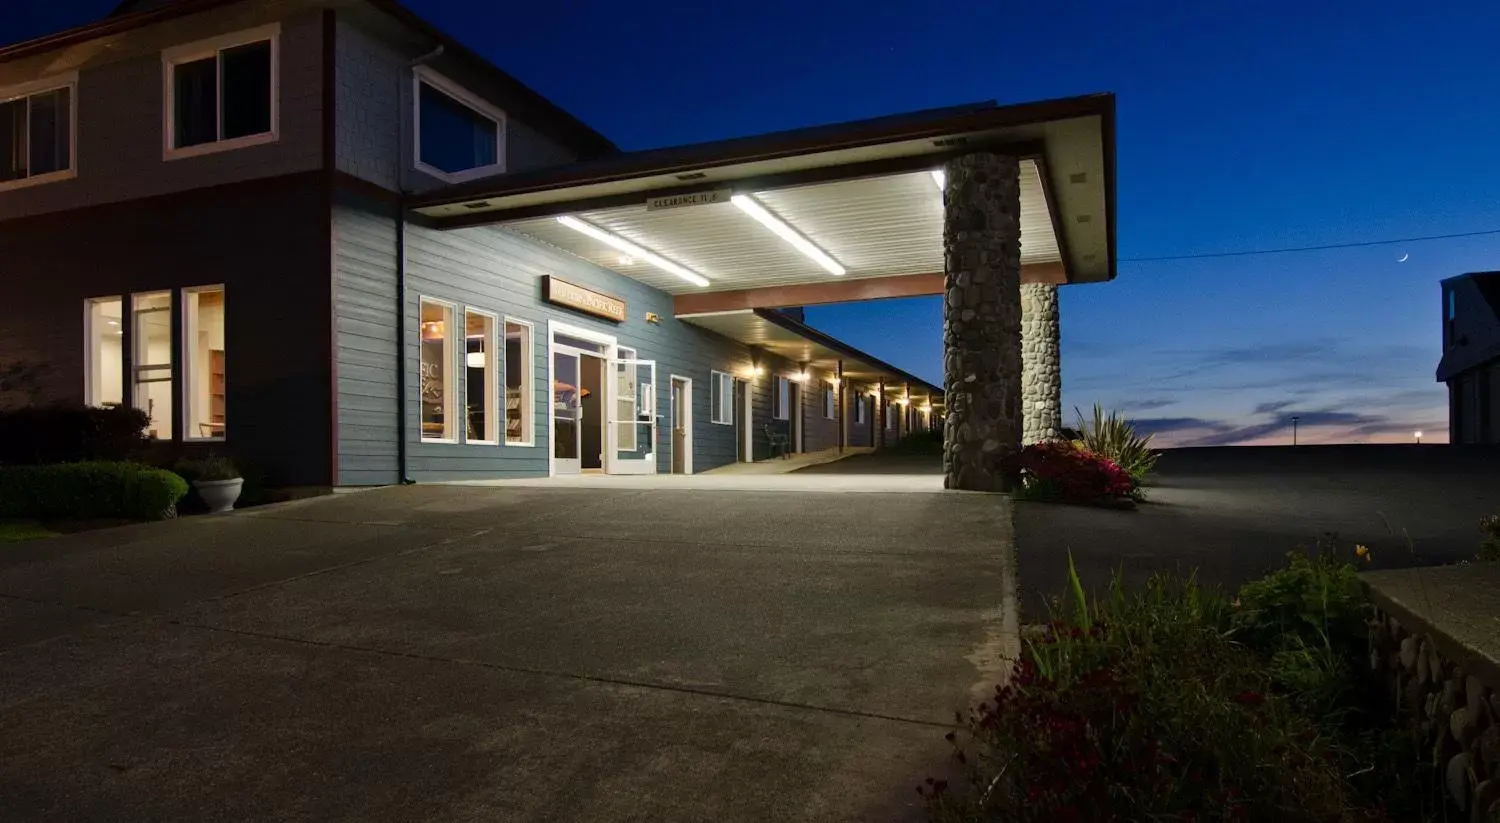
(69,81)
(781,395)
(423,74)
(89,396)
(716,378)
(528,410)
(184,397)
(830,401)
(610,344)
(173,367)
(187,53)
(497,392)
(634,420)
(451,390)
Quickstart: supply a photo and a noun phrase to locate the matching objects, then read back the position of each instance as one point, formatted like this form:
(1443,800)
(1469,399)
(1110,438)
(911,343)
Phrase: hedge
(38,435)
(89,490)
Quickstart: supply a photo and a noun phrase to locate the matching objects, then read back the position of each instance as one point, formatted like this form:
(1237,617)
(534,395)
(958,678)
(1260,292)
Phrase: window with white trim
(781,398)
(435,361)
(721,398)
(203,363)
(457,135)
(859,408)
(104,364)
(625,400)
(830,406)
(151,335)
(222,93)
(519,406)
(37,144)
(481,385)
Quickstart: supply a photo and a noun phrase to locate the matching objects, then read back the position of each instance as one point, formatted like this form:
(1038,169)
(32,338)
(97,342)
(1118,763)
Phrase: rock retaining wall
(1448,701)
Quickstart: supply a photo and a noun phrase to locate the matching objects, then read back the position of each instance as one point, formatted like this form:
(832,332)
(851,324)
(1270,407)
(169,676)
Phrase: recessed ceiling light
(627,260)
(621,244)
(752,207)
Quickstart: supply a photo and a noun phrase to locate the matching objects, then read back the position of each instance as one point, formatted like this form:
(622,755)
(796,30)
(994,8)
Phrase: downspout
(402,141)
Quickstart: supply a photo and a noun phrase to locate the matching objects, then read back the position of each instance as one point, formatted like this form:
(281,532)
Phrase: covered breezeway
(992,207)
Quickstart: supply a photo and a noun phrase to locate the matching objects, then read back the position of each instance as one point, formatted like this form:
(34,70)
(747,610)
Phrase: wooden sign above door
(578,298)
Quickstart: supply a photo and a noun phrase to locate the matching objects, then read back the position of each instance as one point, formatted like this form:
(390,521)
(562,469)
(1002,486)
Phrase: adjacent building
(326,238)
(1471,356)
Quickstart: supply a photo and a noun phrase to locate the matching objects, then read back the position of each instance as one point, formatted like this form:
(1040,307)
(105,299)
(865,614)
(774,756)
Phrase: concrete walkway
(854,472)
(454,653)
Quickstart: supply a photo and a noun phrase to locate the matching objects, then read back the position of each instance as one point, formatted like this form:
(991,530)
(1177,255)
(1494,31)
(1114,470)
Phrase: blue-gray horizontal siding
(498,271)
(494,270)
(365,333)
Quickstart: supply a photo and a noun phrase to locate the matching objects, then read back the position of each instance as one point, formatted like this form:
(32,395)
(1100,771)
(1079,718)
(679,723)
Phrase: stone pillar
(1041,364)
(981,320)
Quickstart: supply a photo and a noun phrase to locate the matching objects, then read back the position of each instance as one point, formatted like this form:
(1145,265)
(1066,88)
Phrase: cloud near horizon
(1341,391)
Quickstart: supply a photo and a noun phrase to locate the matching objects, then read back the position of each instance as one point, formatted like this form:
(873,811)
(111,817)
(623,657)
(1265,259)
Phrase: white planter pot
(219,495)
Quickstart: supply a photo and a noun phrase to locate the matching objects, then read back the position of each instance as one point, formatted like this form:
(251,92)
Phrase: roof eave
(112,24)
(780,145)
(801,329)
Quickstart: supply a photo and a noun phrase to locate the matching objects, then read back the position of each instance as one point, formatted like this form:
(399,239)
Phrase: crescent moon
(1402,258)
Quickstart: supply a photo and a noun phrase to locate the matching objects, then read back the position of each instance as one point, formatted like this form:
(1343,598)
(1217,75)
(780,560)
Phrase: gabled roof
(128,6)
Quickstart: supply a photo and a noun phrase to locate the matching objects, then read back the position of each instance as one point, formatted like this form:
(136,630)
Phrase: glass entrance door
(567,410)
(632,417)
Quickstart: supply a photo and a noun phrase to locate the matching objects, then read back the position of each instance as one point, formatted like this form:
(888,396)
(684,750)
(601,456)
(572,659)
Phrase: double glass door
(603,412)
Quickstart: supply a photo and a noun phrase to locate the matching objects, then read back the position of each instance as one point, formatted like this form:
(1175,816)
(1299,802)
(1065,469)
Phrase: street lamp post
(1418,435)
(1295,418)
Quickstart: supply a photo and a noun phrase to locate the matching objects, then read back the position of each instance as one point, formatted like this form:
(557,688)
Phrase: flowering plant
(1140,707)
(1065,471)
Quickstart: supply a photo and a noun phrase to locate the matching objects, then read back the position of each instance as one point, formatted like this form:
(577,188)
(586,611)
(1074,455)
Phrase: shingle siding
(374,82)
(120,118)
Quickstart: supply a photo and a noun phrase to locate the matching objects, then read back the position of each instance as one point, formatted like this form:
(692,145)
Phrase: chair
(778,440)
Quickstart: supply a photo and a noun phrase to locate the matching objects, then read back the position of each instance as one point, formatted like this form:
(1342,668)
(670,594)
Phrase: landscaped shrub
(89,490)
(1063,471)
(1489,550)
(36,435)
(1112,437)
(1315,600)
(207,469)
(1143,707)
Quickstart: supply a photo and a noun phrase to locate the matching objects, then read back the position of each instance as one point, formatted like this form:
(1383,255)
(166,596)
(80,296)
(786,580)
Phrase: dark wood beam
(841,290)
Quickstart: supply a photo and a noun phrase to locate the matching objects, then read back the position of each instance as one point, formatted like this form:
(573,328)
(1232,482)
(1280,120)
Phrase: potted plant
(216,480)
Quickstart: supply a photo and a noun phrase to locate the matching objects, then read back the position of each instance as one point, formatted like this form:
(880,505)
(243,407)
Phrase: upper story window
(36,132)
(221,93)
(458,136)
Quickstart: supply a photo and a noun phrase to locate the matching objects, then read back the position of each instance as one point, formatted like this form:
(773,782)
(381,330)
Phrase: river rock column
(981,320)
(1041,364)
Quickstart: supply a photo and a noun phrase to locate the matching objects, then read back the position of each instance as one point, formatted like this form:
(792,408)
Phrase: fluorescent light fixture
(620,243)
(940,177)
(474,359)
(752,207)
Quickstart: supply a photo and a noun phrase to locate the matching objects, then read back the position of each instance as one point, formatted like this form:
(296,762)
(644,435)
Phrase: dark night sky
(1241,126)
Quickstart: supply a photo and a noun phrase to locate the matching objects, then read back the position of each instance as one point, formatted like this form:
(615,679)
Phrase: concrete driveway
(1232,514)
(519,654)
